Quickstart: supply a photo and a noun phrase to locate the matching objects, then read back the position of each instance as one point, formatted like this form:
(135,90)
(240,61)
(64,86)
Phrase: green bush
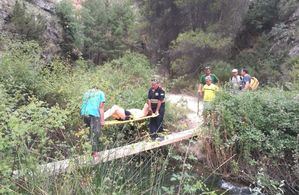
(192,49)
(40,105)
(72,28)
(19,69)
(262,15)
(261,63)
(222,70)
(258,127)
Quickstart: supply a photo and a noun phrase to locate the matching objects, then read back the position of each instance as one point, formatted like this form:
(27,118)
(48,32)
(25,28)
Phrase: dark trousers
(94,131)
(156,123)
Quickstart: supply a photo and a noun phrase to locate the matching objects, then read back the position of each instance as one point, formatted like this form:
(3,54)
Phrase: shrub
(19,69)
(40,106)
(259,127)
(194,48)
(262,15)
(260,62)
(72,28)
(222,70)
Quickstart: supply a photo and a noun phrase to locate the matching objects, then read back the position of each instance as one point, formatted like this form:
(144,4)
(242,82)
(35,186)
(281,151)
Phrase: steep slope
(51,37)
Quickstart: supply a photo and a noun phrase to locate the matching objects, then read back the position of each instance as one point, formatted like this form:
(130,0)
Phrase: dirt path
(190,102)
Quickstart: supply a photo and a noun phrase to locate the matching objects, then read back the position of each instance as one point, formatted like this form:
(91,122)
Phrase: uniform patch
(156,94)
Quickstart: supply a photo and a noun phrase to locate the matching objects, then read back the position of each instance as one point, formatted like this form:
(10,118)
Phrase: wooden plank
(113,154)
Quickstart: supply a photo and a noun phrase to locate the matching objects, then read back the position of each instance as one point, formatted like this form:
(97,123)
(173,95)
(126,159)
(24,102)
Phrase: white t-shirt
(236,82)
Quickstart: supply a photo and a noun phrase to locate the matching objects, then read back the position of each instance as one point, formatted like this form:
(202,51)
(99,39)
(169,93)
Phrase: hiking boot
(159,138)
(153,138)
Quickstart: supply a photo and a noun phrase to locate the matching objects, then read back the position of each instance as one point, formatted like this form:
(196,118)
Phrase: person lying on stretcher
(119,113)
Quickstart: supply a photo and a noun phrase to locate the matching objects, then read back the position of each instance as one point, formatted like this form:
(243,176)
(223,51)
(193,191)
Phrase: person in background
(209,93)
(202,80)
(235,81)
(92,110)
(245,84)
(156,105)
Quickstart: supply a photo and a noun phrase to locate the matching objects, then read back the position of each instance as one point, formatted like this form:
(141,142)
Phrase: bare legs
(145,109)
(118,112)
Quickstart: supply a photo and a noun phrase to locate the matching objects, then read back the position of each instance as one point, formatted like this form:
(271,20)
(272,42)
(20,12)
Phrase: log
(68,165)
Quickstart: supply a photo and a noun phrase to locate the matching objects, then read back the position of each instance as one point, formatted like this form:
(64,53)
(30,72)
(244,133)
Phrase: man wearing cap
(156,104)
(202,80)
(235,81)
(92,110)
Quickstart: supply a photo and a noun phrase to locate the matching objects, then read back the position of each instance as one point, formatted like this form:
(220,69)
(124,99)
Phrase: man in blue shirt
(92,109)
(246,80)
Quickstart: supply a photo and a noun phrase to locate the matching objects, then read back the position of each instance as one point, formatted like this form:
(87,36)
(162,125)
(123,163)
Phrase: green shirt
(214,78)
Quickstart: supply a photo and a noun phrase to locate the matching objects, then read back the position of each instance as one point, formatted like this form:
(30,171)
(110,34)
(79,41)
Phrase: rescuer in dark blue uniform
(156,103)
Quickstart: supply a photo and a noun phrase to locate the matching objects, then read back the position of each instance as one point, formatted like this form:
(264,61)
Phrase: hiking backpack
(254,83)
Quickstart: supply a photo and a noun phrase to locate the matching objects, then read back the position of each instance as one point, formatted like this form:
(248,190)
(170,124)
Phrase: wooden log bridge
(69,165)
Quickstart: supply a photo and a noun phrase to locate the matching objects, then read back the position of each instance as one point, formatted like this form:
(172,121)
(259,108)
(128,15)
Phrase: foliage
(259,127)
(98,30)
(40,102)
(286,8)
(262,15)
(201,39)
(192,49)
(72,34)
(222,70)
(19,69)
(293,70)
(261,63)
(183,180)
(190,25)
(29,25)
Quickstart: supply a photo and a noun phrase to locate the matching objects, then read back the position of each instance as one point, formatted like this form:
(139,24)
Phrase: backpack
(254,83)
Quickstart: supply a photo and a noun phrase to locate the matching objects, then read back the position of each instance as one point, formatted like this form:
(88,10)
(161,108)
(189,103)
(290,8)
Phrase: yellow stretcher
(118,122)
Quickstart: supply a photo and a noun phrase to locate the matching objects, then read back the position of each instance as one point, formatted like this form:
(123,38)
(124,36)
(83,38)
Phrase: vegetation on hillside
(117,45)
(260,131)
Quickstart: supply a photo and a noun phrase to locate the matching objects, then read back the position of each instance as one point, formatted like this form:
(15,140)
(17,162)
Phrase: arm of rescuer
(102,120)
(149,103)
(158,107)
(160,100)
(150,111)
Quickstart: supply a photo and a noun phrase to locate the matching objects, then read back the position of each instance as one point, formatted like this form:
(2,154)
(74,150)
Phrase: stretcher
(118,122)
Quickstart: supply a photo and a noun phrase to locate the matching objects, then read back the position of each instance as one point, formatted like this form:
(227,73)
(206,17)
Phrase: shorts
(127,117)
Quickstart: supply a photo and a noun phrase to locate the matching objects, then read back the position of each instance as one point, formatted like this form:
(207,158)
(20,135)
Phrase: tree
(26,24)
(106,26)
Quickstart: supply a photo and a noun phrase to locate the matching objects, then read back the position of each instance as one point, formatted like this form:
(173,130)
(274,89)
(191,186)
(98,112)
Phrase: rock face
(6,7)
(294,51)
(286,36)
(52,35)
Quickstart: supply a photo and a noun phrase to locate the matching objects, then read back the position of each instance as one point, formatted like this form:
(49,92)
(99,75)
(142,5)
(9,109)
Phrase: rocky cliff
(285,36)
(51,37)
